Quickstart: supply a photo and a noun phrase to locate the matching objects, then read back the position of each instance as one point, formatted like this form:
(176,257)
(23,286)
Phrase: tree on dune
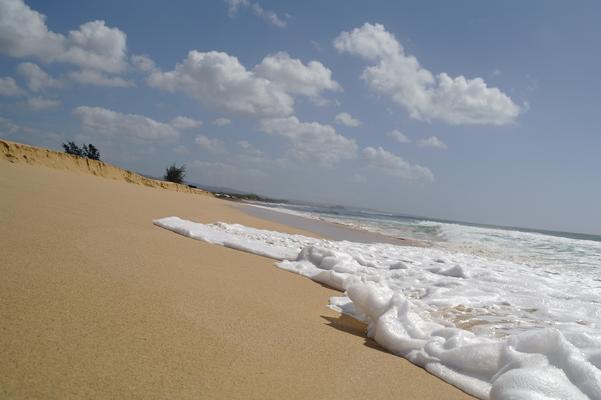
(175,174)
(88,150)
(91,151)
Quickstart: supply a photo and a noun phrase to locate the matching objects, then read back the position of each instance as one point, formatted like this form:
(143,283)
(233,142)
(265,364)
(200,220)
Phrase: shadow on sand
(350,325)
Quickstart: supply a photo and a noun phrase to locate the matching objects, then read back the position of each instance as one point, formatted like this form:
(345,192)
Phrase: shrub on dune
(175,174)
(87,151)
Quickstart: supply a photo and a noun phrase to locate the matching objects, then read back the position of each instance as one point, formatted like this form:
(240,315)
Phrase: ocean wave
(573,253)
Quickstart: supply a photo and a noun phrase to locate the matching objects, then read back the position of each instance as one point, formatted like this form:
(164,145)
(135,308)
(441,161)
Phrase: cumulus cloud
(222,121)
(220,80)
(39,103)
(371,42)
(23,33)
(9,87)
(248,149)
(142,63)
(394,165)
(212,145)
(248,154)
(96,78)
(427,97)
(432,141)
(181,122)
(97,46)
(267,15)
(293,77)
(115,124)
(347,119)
(399,136)
(234,5)
(37,79)
(312,141)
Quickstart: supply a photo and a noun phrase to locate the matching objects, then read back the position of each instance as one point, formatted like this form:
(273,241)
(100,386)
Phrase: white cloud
(181,122)
(115,124)
(249,154)
(23,33)
(399,136)
(9,87)
(249,149)
(234,5)
(142,63)
(432,141)
(427,97)
(372,42)
(347,119)
(394,165)
(312,141)
(218,79)
(97,46)
(267,15)
(37,79)
(222,121)
(293,77)
(39,103)
(211,145)
(96,78)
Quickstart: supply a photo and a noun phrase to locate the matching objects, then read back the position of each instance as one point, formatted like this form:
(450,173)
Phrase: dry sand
(96,302)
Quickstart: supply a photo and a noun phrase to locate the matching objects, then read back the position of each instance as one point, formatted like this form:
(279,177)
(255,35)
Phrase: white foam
(496,329)
(280,208)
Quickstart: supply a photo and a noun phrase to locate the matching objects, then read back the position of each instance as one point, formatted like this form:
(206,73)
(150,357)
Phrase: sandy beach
(97,302)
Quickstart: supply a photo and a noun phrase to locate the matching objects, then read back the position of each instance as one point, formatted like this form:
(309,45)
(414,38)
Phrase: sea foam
(496,329)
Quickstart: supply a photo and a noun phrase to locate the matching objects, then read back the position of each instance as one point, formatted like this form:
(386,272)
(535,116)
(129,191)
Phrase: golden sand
(96,302)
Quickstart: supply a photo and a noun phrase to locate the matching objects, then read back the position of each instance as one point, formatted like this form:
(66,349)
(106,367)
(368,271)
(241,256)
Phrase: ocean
(562,250)
(502,313)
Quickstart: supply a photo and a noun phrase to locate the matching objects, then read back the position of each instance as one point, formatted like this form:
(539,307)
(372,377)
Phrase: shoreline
(98,302)
(327,229)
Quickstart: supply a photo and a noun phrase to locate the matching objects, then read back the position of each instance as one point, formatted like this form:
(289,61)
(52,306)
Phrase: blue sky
(463,110)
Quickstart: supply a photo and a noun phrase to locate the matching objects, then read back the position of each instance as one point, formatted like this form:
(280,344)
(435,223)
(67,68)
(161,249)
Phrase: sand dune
(23,153)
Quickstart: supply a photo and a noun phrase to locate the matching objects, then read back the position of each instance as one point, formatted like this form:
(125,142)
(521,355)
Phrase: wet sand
(325,229)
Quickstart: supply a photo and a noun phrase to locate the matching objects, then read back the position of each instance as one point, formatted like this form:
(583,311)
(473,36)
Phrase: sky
(467,110)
